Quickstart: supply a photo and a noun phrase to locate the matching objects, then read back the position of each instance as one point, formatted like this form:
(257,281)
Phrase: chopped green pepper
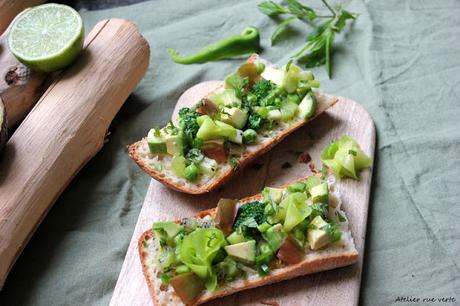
(246,42)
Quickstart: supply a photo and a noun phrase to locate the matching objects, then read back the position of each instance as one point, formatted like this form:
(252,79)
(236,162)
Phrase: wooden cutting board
(278,166)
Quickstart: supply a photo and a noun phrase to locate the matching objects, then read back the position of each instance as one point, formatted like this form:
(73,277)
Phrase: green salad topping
(255,99)
(244,238)
(345,158)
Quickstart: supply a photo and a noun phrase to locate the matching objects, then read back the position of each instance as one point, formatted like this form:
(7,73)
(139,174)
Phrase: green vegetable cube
(234,116)
(307,106)
(156,142)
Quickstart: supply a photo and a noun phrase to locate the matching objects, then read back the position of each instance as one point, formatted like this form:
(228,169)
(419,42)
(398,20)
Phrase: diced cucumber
(210,129)
(307,107)
(234,116)
(226,130)
(275,236)
(208,166)
(243,251)
(263,227)
(235,238)
(274,115)
(238,138)
(288,110)
(226,98)
(274,75)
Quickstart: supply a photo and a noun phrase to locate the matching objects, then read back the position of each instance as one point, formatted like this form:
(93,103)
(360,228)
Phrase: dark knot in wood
(16,75)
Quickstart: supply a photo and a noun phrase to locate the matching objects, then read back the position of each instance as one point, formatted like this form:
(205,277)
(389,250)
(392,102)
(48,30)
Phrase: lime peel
(47,37)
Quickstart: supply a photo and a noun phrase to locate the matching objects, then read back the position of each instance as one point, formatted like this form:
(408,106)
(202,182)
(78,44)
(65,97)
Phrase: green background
(401,60)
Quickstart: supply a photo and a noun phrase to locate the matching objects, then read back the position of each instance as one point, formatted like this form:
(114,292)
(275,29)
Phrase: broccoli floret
(254,121)
(250,215)
(188,124)
(262,88)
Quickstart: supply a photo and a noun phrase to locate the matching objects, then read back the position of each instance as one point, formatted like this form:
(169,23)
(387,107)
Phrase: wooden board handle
(65,130)
(10,8)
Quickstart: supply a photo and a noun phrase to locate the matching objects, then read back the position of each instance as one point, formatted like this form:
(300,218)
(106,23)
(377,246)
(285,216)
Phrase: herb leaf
(342,19)
(318,47)
(271,8)
(301,11)
(281,27)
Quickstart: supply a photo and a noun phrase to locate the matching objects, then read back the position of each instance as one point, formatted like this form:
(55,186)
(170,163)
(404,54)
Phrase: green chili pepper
(236,45)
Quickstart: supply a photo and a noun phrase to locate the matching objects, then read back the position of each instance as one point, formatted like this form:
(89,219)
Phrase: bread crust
(309,266)
(223,176)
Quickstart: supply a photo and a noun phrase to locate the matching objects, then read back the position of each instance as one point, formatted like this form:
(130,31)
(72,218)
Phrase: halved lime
(47,37)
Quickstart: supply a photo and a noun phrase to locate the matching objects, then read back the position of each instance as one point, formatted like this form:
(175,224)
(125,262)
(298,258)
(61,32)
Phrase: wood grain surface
(10,8)
(65,129)
(278,166)
(20,87)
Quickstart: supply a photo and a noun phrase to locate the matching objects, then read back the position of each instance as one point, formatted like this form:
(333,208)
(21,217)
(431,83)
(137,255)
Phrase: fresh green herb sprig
(318,48)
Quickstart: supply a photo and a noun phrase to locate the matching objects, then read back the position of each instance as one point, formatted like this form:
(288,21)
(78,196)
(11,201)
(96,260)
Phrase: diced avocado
(210,129)
(171,228)
(288,110)
(243,251)
(156,142)
(235,238)
(174,144)
(318,222)
(274,75)
(318,238)
(274,115)
(320,193)
(235,117)
(275,194)
(307,107)
(275,236)
(226,98)
(178,165)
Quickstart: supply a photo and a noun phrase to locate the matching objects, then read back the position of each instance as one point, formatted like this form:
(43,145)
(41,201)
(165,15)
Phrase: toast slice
(140,153)
(339,254)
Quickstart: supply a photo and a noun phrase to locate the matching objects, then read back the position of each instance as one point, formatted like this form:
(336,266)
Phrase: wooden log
(65,130)
(3,126)
(10,8)
(20,88)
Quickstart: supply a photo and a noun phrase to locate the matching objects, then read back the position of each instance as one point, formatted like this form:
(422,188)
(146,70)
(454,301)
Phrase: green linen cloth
(401,61)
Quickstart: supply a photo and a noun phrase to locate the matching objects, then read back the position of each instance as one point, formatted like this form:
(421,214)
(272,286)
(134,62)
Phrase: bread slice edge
(226,172)
(325,261)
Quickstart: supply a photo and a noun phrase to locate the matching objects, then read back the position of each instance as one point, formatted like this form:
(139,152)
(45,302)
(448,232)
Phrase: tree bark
(65,130)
